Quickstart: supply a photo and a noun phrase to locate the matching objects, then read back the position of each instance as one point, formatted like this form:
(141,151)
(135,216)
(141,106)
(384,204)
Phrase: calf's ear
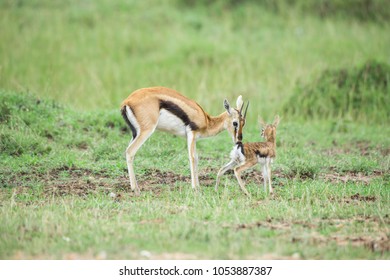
(239,102)
(276,120)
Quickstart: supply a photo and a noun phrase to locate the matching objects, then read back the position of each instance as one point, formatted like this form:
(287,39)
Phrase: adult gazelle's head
(235,121)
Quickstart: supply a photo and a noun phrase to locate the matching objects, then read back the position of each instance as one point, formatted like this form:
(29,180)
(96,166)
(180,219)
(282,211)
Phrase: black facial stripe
(124,115)
(178,112)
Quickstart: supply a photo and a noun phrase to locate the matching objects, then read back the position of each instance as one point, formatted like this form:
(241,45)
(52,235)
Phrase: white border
(284,269)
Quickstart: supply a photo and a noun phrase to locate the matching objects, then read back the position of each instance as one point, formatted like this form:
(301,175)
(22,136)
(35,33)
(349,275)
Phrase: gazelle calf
(244,156)
(148,109)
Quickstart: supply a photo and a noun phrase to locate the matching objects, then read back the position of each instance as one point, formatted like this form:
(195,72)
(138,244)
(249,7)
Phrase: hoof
(137,192)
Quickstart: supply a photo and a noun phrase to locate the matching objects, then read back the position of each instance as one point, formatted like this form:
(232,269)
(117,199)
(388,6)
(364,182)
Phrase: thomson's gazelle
(244,156)
(148,109)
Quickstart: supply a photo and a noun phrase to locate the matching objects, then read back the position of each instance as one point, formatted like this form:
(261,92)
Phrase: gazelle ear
(227,106)
(262,123)
(239,102)
(276,120)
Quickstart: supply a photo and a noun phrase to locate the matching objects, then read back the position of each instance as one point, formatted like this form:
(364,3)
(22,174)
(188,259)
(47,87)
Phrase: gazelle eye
(235,124)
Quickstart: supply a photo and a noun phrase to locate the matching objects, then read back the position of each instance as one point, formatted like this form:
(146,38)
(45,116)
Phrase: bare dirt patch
(156,176)
(379,243)
(330,176)
(355,198)
(385,151)
(364,147)
(350,176)
(359,197)
(266,224)
(334,176)
(271,224)
(82,182)
(73,181)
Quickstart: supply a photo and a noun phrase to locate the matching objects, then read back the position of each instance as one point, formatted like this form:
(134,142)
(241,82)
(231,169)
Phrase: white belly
(263,160)
(170,123)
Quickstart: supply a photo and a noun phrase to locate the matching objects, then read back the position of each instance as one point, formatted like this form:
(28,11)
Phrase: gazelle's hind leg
(238,170)
(222,171)
(131,150)
(269,175)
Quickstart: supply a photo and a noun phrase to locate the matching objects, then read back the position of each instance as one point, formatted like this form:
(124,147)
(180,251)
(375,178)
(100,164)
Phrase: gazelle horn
(246,109)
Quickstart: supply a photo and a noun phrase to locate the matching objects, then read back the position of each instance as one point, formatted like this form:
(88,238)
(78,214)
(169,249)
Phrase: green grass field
(65,66)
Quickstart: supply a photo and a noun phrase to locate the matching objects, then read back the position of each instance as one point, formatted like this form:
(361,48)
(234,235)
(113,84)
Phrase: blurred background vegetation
(301,59)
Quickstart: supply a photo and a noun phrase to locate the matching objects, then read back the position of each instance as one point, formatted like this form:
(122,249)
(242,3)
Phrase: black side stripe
(124,115)
(260,154)
(178,112)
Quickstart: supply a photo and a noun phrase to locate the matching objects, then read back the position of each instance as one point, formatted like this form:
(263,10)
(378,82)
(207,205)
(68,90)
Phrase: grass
(65,66)
(92,54)
(356,94)
(73,200)
(208,226)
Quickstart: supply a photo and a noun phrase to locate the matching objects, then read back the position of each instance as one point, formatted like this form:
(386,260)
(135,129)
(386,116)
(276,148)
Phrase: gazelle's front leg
(265,175)
(193,157)
(237,172)
(222,171)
